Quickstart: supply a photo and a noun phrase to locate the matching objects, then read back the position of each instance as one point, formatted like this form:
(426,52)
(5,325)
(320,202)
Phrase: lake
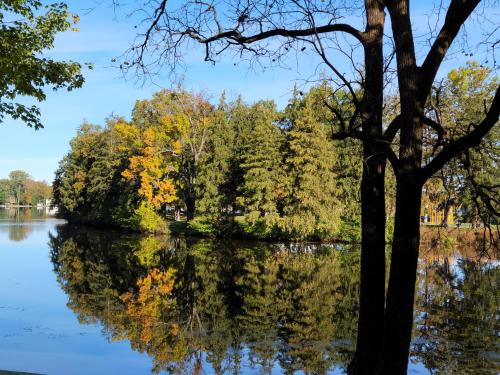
(75,300)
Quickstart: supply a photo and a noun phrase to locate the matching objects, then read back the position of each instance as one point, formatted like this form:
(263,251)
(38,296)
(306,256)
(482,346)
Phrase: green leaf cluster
(27,31)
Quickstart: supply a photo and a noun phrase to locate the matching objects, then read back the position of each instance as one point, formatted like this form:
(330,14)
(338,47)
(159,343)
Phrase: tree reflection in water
(22,217)
(191,303)
(458,323)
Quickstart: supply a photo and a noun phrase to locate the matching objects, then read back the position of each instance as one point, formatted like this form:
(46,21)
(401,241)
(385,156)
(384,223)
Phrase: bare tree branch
(437,128)
(458,12)
(473,138)
(393,128)
(238,37)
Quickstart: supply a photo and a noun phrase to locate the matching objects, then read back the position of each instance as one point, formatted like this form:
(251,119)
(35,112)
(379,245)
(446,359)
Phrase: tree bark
(446,212)
(403,271)
(401,289)
(373,215)
(372,274)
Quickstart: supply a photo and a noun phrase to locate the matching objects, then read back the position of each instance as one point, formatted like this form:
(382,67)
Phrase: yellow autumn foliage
(154,159)
(153,299)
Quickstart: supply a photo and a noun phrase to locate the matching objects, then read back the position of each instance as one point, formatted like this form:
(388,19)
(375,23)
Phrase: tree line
(249,169)
(267,33)
(20,189)
(230,167)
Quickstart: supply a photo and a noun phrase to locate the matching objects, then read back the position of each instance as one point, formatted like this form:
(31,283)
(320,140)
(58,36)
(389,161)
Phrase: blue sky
(100,38)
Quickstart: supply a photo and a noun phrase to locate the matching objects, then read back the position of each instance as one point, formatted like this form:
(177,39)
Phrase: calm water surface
(79,301)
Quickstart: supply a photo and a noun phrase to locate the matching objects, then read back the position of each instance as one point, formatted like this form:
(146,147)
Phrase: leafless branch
(473,138)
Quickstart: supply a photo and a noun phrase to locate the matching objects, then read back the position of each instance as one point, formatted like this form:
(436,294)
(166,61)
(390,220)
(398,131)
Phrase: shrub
(146,219)
(201,226)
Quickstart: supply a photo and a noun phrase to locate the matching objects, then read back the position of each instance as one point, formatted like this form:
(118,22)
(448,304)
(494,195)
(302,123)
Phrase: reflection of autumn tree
(190,303)
(108,280)
(150,326)
(21,214)
(149,250)
(94,268)
(19,232)
(458,308)
(222,298)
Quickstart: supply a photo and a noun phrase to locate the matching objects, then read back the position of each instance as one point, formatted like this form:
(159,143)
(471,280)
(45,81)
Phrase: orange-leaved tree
(154,158)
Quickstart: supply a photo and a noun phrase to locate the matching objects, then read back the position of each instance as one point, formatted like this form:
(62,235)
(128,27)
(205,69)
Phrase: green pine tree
(261,159)
(215,166)
(311,208)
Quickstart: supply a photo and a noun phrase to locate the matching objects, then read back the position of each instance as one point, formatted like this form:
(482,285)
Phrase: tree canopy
(27,31)
(20,188)
(233,169)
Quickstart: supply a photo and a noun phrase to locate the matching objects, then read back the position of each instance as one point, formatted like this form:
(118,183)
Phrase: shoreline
(429,234)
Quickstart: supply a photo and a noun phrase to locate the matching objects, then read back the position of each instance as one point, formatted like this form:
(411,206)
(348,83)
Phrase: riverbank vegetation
(22,190)
(250,170)
(231,169)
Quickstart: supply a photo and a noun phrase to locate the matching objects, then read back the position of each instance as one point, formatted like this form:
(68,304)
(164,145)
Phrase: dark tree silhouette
(265,32)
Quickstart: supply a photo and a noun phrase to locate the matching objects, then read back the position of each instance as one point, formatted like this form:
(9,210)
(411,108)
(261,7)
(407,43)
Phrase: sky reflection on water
(72,302)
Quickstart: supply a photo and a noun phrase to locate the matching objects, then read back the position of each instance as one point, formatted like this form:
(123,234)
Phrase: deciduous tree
(18,184)
(27,31)
(191,116)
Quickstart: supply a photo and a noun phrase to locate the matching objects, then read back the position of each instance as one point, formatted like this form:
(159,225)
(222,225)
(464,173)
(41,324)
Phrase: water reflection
(230,306)
(20,214)
(20,222)
(458,326)
(190,303)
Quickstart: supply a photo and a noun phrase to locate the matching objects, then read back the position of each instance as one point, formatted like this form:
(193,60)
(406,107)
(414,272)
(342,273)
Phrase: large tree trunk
(372,280)
(372,283)
(401,289)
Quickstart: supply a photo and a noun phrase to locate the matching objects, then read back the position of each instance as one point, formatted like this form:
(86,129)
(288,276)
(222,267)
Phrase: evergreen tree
(327,107)
(215,166)
(239,117)
(261,162)
(348,161)
(311,207)
(89,186)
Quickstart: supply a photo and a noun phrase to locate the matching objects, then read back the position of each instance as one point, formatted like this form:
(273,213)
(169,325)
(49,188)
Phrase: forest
(251,170)
(20,189)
